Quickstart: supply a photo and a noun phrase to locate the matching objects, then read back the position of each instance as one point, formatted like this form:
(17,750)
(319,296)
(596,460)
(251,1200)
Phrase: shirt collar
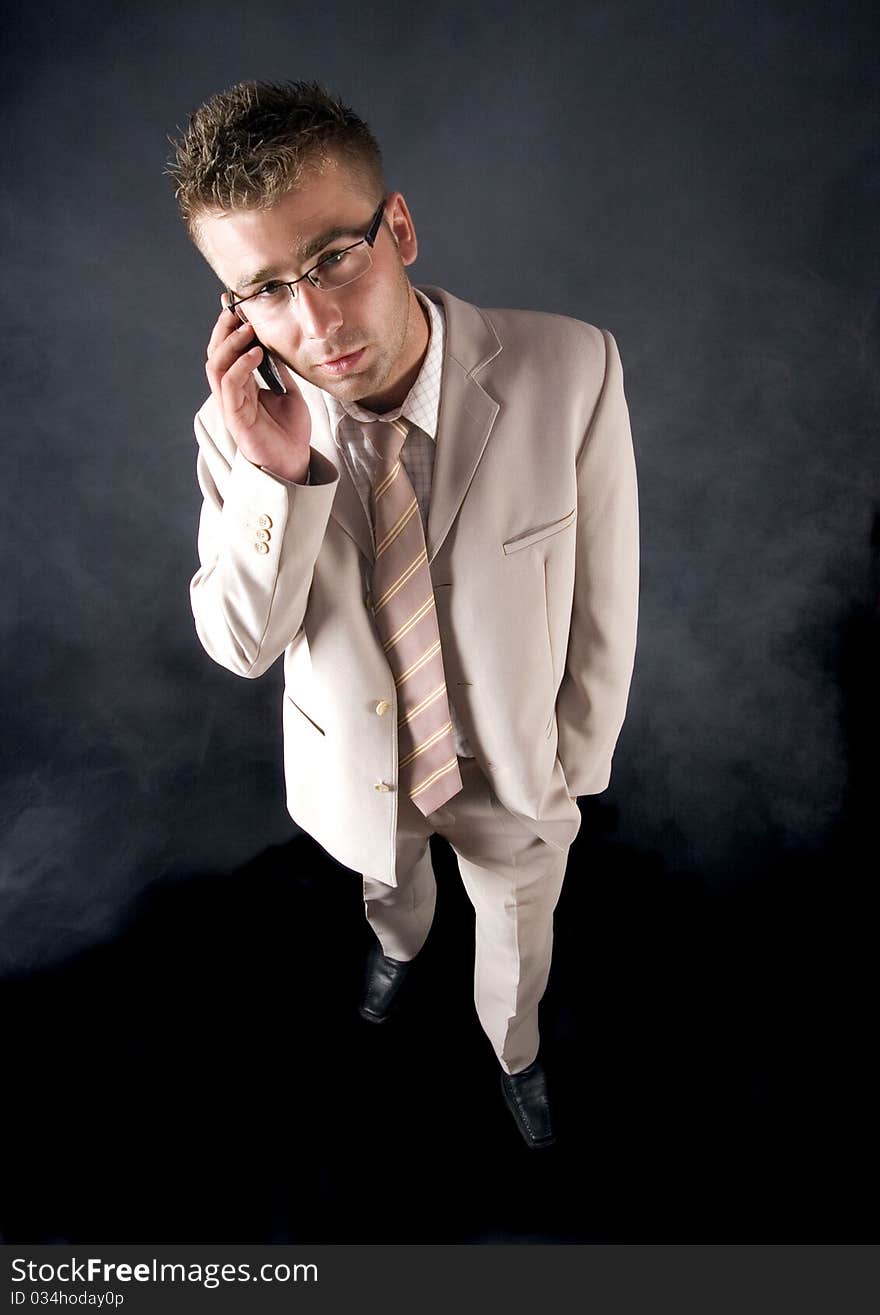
(421,405)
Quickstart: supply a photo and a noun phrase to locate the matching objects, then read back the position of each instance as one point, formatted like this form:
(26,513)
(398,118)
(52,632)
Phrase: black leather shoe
(526,1096)
(385,977)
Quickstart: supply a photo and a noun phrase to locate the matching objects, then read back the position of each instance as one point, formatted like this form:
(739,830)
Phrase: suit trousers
(512,877)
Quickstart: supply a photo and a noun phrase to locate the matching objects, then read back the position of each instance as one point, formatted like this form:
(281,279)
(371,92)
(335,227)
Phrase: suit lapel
(467,412)
(347,509)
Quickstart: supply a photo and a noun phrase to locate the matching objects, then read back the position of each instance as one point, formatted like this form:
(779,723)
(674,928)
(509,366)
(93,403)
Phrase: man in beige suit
(505,437)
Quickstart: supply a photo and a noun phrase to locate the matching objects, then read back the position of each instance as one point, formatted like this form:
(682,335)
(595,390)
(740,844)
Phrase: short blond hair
(248,146)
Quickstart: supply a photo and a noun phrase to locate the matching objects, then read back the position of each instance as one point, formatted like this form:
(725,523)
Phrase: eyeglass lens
(335,271)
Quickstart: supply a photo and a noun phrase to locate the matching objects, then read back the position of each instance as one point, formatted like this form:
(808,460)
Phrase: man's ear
(403,230)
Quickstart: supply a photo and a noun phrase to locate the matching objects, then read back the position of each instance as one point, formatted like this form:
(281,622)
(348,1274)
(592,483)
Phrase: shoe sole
(374,1018)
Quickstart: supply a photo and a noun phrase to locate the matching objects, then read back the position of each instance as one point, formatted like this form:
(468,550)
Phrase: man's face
(376,320)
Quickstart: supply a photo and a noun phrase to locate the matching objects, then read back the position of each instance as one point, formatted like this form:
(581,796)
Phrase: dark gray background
(702,180)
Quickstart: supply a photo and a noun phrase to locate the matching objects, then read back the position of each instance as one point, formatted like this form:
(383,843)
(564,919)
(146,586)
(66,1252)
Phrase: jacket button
(264,522)
(382,707)
(260,546)
(382,786)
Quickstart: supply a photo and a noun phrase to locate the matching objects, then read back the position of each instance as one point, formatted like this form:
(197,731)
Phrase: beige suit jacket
(533,544)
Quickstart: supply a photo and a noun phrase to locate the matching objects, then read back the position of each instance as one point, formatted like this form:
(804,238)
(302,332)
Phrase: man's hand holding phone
(271,430)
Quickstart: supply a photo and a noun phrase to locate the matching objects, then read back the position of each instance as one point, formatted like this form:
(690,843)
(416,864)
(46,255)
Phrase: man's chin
(351,387)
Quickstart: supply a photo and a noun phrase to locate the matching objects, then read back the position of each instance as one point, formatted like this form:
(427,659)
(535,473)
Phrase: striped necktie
(406,619)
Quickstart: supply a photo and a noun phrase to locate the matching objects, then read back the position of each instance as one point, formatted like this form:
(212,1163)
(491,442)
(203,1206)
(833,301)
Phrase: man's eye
(270,290)
(332,258)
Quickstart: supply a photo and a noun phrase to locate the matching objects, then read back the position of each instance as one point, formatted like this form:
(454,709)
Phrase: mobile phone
(267,369)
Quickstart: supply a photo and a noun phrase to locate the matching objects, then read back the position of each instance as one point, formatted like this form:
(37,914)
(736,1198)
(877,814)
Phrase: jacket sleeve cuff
(320,471)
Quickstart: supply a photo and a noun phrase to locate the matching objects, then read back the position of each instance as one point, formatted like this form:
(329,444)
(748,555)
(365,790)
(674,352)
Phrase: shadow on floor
(206,1078)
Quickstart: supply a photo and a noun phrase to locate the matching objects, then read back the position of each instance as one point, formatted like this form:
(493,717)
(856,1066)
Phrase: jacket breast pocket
(528,537)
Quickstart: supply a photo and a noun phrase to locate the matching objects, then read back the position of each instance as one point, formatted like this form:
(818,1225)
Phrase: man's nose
(318,312)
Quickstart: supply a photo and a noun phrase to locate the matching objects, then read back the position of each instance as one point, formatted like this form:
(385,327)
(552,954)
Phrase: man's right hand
(270,430)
